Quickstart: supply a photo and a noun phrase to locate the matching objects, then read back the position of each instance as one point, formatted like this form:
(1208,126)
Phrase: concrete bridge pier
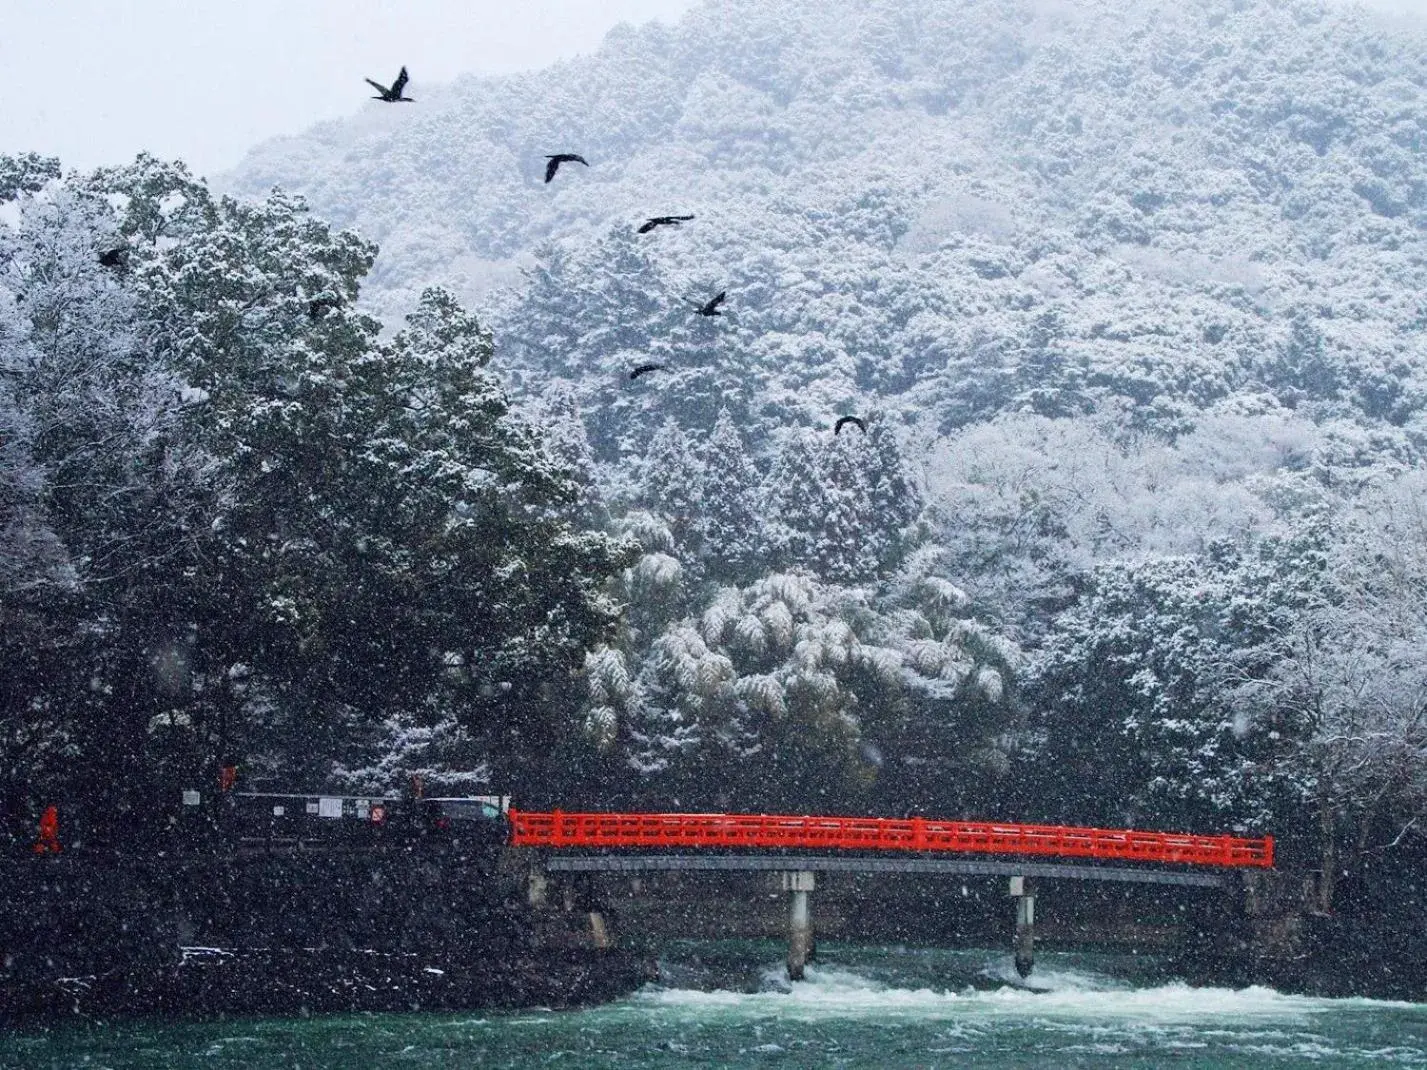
(586,900)
(537,889)
(1024,891)
(571,898)
(800,924)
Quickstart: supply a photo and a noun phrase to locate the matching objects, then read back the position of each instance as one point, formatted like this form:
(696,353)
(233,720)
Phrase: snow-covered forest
(1127,292)
(242,528)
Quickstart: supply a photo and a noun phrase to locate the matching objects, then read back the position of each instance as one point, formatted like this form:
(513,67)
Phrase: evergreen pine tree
(792,495)
(563,428)
(894,502)
(845,537)
(731,529)
(673,477)
(816,500)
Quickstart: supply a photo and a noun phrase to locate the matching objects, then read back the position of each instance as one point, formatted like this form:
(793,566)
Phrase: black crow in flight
(115,258)
(837,428)
(558,159)
(663,221)
(392,95)
(710,308)
(644,369)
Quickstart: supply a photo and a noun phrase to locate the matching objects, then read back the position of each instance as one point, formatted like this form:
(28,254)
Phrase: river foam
(941,1009)
(1064,993)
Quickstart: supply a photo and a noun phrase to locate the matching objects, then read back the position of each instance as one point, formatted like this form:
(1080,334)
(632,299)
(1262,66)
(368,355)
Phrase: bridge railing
(754,831)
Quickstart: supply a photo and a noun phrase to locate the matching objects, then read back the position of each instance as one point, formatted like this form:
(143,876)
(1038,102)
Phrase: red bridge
(764,831)
(753,842)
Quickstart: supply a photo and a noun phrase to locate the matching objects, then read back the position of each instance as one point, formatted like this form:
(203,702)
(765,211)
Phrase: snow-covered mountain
(954,207)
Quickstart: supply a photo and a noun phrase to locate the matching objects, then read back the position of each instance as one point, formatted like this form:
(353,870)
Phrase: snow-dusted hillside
(959,207)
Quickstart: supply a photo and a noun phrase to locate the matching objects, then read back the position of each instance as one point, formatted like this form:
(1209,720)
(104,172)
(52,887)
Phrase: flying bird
(861,426)
(558,159)
(663,221)
(644,369)
(114,258)
(392,95)
(710,308)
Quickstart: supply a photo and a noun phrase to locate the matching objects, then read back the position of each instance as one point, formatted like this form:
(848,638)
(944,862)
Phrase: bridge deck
(845,864)
(910,835)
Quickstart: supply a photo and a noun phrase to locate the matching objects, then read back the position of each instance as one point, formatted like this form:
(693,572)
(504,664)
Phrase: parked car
(478,819)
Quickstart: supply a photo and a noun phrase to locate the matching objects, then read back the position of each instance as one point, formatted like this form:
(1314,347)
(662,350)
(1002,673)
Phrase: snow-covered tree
(792,691)
(558,415)
(672,480)
(1343,680)
(1133,727)
(893,498)
(792,484)
(26,173)
(838,522)
(731,529)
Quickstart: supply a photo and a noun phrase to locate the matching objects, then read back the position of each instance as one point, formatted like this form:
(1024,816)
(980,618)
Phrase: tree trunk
(1327,831)
(1365,827)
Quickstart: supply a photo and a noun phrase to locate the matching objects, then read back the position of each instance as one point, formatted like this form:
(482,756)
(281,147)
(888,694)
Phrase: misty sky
(205,80)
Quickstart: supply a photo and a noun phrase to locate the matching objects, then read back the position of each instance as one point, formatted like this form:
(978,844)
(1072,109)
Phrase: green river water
(727,1004)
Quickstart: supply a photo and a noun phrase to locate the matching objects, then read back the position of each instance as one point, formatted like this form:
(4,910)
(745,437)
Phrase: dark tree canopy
(239,531)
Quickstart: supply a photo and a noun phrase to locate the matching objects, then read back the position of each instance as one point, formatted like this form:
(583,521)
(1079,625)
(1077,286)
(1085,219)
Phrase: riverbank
(297,982)
(289,936)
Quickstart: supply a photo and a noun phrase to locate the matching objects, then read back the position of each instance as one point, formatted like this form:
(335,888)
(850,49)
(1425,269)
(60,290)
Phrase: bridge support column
(800,925)
(537,888)
(600,937)
(1024,891)
(581,898)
